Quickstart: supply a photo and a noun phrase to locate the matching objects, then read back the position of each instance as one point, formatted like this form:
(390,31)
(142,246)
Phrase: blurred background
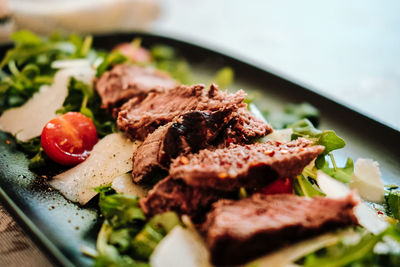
(347,50)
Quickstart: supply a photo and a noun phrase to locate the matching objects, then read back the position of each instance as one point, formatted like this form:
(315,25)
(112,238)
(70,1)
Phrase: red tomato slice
(134,54)
(280,186)
(68,139)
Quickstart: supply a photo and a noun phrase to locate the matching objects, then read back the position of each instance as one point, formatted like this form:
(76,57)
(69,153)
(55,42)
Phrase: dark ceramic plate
(62,227)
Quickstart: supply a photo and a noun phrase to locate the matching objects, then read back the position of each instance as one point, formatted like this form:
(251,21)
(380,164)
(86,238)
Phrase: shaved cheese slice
(365,215)
(110,158)
(181,248)
(28,120)
(124,185)
(367,180)
(286,256)
(284,135)
(70,63)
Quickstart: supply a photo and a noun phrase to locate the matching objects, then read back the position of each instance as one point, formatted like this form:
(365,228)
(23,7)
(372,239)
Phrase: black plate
(62,227)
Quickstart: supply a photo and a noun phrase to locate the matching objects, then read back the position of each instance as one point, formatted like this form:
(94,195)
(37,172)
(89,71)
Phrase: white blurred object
(83,16)
(7,26)
(367,179)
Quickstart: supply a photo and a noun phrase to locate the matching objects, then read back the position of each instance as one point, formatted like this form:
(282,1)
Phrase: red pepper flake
(269,152)
(8,142)
(229,141)
(223,175)
(284,151)
(184,160)
(380,212)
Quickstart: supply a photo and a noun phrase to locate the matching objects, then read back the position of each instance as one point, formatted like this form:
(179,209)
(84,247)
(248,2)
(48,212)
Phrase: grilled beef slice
(248,166)
(245,128)
(139,117)
(126,81)
(238,231)
(174,195)
(191,132)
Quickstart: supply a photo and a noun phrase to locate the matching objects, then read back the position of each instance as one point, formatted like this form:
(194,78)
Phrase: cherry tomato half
(135,54)
(68,139)
(280,186)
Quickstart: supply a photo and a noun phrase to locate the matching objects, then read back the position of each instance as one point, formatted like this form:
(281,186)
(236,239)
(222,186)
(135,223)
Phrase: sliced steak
(245,128)
(248,166)
(191,132)
(126,81)
(238,231)
(174,195)
(139,118)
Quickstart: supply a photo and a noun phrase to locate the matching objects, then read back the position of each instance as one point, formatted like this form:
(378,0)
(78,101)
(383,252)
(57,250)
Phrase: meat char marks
(191,132)
(238,231)
(174,195)
(140,117)
(248,166)
(245,128)
(124,81)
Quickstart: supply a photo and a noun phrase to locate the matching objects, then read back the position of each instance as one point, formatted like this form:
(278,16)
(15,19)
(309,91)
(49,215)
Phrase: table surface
(344,49)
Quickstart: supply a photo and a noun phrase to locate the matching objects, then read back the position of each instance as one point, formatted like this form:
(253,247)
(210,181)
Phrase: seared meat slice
(126,81)
(174,195)
(245,128)
(238,231)
(191,132)
(248,166)
(139,117)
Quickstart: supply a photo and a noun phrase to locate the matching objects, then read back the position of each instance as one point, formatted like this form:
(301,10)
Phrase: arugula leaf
(342,174)
(82,98)
(362,253)
(327,138)
(109,255)
(291,114)
(303,187)
(27,66)
(346,255)
(33,149)
(125,239)
(393,201)
(166,59)
(111,59)
(153,232)
(120,210)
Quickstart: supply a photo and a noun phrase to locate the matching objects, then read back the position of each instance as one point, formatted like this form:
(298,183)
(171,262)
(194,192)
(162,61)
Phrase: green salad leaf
(166,59)
(327,138)
(393,201)
(361,253)
(27,66)
(307,187)
(126,237)
(84,99)
(291,114)
(342,174)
